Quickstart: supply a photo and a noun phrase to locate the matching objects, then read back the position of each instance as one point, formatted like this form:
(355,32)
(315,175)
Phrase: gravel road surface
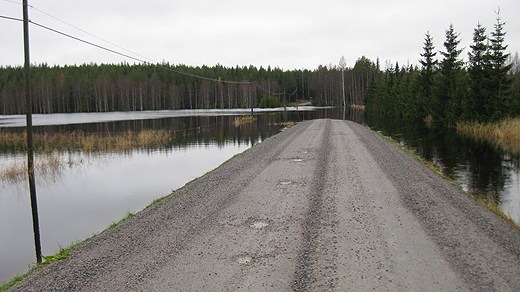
(325,205)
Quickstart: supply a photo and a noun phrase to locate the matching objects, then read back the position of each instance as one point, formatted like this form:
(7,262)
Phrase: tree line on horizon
(138,87)
(442,91)
(448,90)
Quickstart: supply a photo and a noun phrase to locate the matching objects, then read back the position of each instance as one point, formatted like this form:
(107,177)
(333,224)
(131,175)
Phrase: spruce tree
(499,82)
(429,65)
(478,71)
(451,82)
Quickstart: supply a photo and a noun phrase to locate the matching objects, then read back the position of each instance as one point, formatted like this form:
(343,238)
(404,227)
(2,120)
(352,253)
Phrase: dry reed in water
(504,134)
(45,166)
(89,142)
(239,121)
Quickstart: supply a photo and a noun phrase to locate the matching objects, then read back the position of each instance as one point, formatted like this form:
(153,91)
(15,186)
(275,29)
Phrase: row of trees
(444,90)
(486,88)
(124,87)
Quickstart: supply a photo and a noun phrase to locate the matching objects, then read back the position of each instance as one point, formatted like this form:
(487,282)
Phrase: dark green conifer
(429,67)
(478,71)
(450,88)
(499,82)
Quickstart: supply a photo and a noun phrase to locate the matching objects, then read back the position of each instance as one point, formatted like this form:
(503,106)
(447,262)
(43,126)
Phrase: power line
(141,60)
(122,54)
(78,28)
(15,2)
(10,18)
(87,42)
(86,32)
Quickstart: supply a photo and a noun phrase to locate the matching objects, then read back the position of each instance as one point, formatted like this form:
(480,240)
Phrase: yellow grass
(504,134)
(428,121)
(89,142)
(45,166)
(287,124)
(14,172)
(358,106)
(239,121)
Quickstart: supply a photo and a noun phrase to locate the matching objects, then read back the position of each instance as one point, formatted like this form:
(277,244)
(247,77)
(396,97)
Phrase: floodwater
(480,168)
(89,191)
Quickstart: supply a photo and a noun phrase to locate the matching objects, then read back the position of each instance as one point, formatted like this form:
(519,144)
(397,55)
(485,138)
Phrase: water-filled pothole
(297,159)
(284,183)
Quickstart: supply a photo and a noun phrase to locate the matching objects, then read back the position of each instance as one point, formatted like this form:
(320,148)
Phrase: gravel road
(325,205)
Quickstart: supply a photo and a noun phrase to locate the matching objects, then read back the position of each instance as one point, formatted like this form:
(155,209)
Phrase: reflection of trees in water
(486,169)
(182,131)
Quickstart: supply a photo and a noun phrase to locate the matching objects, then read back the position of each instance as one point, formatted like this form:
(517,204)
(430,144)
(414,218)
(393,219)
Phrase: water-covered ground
(85,118)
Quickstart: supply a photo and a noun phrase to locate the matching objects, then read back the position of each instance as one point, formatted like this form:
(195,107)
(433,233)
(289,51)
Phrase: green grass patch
(157,201)
(62,254)
(128,216)
(13,282)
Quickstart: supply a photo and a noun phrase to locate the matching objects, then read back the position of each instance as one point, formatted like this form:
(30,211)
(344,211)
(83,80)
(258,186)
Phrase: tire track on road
(305,274)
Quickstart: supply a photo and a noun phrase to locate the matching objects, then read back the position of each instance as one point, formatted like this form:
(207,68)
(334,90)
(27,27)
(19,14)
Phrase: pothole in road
(244,259)
(259,224)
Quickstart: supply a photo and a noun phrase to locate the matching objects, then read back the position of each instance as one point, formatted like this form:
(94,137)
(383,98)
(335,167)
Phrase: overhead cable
(219,80)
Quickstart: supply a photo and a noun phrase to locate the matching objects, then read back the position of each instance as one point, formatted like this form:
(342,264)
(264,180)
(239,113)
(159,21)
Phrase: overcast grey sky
(281,33)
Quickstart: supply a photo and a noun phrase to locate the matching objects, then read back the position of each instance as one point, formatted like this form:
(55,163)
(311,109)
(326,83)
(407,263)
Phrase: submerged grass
(239,121)
(49,165)
(358,106)
(486,200)
(287,124)
(89,142)
(504,134)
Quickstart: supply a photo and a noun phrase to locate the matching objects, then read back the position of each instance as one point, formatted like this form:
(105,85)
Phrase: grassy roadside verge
(504,134)
(62,254)
(485,201)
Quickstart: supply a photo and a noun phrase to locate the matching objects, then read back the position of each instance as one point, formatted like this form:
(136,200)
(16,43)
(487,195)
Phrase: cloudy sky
(281,33)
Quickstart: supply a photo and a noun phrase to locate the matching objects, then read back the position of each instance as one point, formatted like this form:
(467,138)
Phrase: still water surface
(96,189)
(480,168)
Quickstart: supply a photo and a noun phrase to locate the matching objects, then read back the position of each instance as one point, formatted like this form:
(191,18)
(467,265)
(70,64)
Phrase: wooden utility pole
(343,66)
(29,130)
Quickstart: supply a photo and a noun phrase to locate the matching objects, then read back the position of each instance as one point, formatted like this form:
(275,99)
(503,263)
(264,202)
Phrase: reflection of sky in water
(510,200)
(82,118)
(86,198)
